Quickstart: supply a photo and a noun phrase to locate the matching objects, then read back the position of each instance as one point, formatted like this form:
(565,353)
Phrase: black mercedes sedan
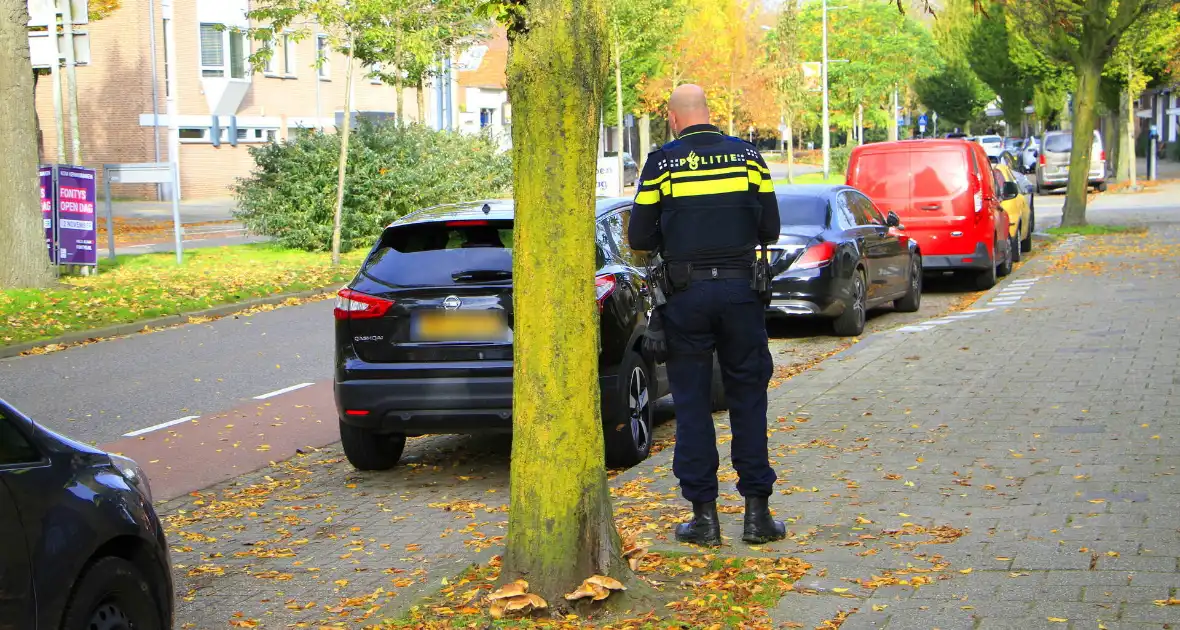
(424,334)
(838,257)
(82,546)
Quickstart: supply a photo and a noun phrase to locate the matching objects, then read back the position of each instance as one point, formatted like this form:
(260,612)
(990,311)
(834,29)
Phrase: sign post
(145,173)
(922,123)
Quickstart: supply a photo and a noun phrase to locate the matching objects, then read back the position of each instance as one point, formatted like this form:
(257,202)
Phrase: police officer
(705,202)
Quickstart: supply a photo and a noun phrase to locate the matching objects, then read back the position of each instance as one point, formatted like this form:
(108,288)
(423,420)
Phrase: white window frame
(246,135)
(225,70)
(290,56)
(323,51)
(270,69)
(373,70)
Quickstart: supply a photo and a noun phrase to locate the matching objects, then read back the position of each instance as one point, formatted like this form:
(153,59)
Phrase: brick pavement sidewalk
(1022,460)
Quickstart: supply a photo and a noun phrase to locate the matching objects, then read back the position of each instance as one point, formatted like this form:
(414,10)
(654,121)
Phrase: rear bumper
(476,404)
(979,260)
(1058,180)
(809,293)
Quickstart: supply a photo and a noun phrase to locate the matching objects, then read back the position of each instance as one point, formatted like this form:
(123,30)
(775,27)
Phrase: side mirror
(1011,191)
(892,220)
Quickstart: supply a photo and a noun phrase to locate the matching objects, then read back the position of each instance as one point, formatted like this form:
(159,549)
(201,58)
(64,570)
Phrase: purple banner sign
(77,228)
(46,176)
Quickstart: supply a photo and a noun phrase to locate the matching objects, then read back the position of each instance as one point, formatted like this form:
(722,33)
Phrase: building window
(193,134)
(212,51)
(486,115)
(288,55)
(323,57)
(215,40)
(374,73)
(271,61)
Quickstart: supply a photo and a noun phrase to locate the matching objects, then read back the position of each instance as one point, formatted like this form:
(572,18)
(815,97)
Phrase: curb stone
(123,330)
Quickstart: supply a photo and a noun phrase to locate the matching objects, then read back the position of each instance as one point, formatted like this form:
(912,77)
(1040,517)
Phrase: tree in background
(1083,34)
(991,60)
(24,260)
(637,30)
(783,65)
(954,92)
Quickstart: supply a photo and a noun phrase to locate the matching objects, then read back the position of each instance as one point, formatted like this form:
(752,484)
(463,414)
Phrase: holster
(761,277)
(657,276)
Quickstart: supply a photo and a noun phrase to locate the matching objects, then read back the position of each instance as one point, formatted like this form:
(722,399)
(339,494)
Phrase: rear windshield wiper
(481,275)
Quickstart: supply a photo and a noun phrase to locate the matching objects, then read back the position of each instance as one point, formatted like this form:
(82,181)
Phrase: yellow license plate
(459,326)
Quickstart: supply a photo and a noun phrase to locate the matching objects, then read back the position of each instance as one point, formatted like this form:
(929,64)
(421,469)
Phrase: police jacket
(705,198)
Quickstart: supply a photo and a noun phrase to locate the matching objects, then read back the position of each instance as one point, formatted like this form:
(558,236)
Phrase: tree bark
(1085,114)
(343,167)
(1125,169)
(617,53)
(790,154)
(420,90)
(644,141)
(24,259)
(560,526)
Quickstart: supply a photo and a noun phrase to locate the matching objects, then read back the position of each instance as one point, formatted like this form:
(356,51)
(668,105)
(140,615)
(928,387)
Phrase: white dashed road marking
(162,425)
(283,391)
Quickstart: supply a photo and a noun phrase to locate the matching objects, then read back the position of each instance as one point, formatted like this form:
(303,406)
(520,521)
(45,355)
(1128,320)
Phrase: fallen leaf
(966,571)
(1113,554)
(879,607)
(341,583)
(1172,601)
(1058,620)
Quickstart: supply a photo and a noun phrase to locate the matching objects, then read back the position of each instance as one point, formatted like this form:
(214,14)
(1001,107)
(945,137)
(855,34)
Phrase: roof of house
(492,71)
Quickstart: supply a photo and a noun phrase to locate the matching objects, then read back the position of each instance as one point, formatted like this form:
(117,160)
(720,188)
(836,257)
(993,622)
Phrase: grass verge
(704,591)
(1097,230)
(136,288)
(813,178)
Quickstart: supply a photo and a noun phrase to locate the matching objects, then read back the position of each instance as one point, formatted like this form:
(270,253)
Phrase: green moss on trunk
(1085,116)
(560,528)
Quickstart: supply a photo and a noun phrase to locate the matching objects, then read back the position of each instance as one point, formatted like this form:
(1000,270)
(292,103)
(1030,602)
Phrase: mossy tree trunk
(24,260)
(560,526)
(1085,116)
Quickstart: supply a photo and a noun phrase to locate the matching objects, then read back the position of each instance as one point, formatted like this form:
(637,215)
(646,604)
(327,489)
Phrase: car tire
(628,431)
(986,279)
(851,322)
(1005,268)
(1015,246)
(112,593)
(1101,187)
(912,301)
(717,389)
(1026,244)
(368,450)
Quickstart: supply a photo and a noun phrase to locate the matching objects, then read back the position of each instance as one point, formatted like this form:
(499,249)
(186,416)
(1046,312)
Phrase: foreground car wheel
(913,295)
(1005,268)
(628,429)
(368,450)
(851,322)
(112,595)
(986,279)
(1015,245)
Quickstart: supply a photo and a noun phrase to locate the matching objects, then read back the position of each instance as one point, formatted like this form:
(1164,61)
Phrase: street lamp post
(827,146)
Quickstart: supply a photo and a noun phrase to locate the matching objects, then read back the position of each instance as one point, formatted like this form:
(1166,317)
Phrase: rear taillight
(1102,155)
(1042,159)
(603,286)
(356,305)
(816,256)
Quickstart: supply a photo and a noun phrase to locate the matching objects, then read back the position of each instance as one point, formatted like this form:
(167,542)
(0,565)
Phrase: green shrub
(1174,151)
(392,170)
(839,158)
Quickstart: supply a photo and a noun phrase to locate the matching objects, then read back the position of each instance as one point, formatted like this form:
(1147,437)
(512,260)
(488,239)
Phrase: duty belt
(720,273)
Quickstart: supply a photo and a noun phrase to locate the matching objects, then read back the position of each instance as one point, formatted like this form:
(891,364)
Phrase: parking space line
(913,329)
(283,391)
(976,311)
(162,425)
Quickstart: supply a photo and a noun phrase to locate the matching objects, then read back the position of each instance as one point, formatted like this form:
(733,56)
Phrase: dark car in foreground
(424,334)
(82,547)
(838,257)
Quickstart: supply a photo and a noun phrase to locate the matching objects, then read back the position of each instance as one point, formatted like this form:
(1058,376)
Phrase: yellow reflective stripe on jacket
(764,171)
(655,181)
(648,197)
(755,177)
(711,187)
(707,172)
(767,186)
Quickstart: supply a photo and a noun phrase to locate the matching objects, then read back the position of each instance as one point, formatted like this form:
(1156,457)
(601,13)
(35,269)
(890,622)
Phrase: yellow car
(1021,219)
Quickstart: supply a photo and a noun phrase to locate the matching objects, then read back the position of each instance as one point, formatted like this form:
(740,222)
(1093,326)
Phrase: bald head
(687,107)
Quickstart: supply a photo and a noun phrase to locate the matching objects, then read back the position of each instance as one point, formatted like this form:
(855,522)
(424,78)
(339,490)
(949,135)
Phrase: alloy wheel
(916,278)
(109,616)
(638,401)
(858,298)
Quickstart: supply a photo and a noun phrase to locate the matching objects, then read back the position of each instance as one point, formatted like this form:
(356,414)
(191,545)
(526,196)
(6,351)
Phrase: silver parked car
(1053,163)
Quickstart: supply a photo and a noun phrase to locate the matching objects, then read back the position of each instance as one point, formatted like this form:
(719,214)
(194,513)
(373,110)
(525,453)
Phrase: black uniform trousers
(726,315)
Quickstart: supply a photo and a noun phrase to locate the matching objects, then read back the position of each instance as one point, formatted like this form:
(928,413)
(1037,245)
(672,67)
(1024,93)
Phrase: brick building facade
(210,106)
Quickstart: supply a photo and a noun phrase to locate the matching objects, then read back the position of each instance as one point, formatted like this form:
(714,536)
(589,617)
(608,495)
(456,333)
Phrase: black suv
(82,546)
(424,334)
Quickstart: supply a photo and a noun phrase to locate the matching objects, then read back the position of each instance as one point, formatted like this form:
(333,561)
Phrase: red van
(946,195)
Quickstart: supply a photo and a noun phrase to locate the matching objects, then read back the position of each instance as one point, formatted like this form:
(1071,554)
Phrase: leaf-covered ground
(137,288)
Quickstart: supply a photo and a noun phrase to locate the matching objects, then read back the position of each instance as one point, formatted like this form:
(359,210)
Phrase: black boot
(703,529)
(760,526)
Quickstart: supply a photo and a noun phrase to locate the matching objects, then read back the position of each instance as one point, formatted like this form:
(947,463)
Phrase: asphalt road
(98,392)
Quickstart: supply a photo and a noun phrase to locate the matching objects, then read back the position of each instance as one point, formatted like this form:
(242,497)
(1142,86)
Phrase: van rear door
(941,208)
